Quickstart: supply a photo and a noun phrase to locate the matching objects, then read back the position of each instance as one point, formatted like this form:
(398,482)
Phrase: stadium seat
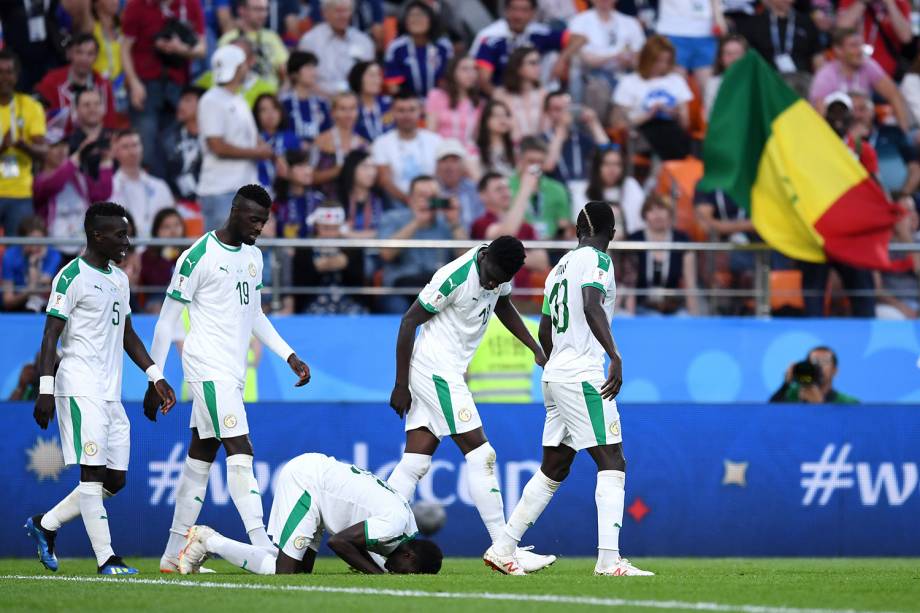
(786,290)
(678,179)
(695,109)
(390,30)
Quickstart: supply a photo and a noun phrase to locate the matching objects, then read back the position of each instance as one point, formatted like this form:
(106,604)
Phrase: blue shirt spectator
(416,67)
(29,269)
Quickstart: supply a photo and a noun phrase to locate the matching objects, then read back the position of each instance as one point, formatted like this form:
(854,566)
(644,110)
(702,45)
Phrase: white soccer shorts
(577,416)
(443,406)
(295,523)
(94,432)
(217,409)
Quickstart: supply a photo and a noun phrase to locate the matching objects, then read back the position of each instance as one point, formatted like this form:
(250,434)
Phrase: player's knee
(416,464)
(557,472)
(115,481)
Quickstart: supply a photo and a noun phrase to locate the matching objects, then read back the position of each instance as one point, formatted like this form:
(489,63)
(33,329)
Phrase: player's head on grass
(415,557)
(106,226)
(595,225)
(500,261)
(248,214)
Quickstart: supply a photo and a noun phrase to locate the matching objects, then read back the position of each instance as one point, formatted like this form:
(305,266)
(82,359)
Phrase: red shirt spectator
(865,153)
(878,27)
(142,20)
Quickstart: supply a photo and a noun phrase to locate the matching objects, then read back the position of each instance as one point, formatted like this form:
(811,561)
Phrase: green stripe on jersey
(225,246)
(546,310)
(456,278)
(58,314)
(447,407)
(76,422)
(177,296)
(603,260)
(300,510)
(597,285)
(595,406)
(210,401)
(194,256)
(67,276)
(260,286)
(427,306)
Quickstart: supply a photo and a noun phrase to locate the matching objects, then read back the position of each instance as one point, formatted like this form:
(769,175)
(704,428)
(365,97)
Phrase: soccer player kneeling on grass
(580,409)
(89,311)
(314,493)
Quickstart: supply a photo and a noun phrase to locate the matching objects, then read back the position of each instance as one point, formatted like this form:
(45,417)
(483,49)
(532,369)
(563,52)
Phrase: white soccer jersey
(94,303)
(448,341)
(577,355)
(222,287)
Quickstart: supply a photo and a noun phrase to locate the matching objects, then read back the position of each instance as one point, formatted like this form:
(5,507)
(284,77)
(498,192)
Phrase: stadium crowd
(432,119)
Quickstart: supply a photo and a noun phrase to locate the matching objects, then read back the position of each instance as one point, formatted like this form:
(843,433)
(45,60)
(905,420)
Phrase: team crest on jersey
(300,542)
(90,448)
(252,269)
(230,421)
(465,415)
(615,428)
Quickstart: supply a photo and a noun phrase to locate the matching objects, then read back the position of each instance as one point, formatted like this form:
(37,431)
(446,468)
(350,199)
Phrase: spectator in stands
(87,126)
(331,268)
(732,48)
(270,52)
(367,17)
(337,45)
(413,268)
(231,143)
(218,18)
(692,28)
(58,88)
(496,147)
(899,292)
(253,85)
(158,263)
(885,25)
(495,43)
(910,91)
(812,381)
(452,176)
(550,211)
(295,197)
(359,195)
(63,193)
(789,40)
(29,269)
(101,19)
(334,144)
(898,166)
(183,162)
(660,271)
(416,60)
(853,71)
(309,112)
(275,130)
(131,266)
(522,91)
(737,12)
(31,30)
(27,385)
(613,43)
(142,194)
(572,134)
(838,111)
(406,152)
(453,111)
(610,183)
(374,109)
(160,40)
(654,100)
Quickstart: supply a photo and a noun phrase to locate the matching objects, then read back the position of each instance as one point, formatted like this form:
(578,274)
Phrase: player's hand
(44,410)
(152,402)
(300,369)
(401,399)
(614,380)
(540,358)
(166,394)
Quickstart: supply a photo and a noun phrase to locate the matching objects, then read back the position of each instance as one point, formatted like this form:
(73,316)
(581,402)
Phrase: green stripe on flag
(443,390)
(595,405)
(210,401)
(300,510)
(76,421)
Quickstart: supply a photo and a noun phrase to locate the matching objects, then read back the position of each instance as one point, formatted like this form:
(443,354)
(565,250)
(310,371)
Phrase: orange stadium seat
(786,290)
(678,179)
(695,110)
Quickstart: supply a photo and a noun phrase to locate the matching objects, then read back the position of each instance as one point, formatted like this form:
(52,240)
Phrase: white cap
(450,146)
(840,97)
(225,62)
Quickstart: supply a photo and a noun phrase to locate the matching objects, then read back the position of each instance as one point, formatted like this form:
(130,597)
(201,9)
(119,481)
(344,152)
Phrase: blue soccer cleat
(44,541)
(116,566)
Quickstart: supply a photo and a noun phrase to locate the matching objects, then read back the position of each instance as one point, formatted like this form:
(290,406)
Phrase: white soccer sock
(484,490)
(610,496)
(408,472)
(537,494)
(95,520)
(253,558)
(244,490)
(62,512)
(189,497)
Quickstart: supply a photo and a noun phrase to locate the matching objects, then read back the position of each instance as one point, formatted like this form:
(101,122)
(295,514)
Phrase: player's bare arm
(593,300)
(545,335)
(163,332)
(511,319)
(401,399)
(135,349)
(351,545)
(263,330)
(44,404)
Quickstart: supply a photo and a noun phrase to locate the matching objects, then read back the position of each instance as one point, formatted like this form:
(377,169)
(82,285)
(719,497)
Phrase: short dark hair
(356,75)
(253,193)
(596,218)
(508,253)
(299,59)
(556,93)
(533,143)
(193,90)
(824,348)
(405,93)
(79,92)
(533,4)
(32,223)
(79,39)
(120,134)
(7,55)
(434,24)
(427,554)
(486,179)
(841,34)
(99,210)
(419,179)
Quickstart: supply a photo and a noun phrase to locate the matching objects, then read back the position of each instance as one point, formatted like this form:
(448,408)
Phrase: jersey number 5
(559,306)
(116,319)
(243,288)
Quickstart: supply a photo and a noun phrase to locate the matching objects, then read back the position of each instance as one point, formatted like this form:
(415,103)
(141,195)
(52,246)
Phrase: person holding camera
(885,25)
(811,381)
(572,133)
(88,127)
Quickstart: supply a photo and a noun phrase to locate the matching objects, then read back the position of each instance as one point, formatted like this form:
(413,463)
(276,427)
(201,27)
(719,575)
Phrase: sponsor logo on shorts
(230,421)
(465,415)
(300,542)
(252,269)
(90,448)
(615,428)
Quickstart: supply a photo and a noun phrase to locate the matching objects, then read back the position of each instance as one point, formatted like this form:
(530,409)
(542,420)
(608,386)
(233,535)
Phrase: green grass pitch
(747,585)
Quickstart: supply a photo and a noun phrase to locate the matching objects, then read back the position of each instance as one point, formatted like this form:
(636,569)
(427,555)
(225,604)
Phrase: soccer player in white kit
(430,391)
(316,493)
(219,279)
(89,310)
(581,412)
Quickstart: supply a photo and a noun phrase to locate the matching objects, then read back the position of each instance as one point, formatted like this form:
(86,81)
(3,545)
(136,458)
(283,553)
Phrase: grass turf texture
(734,584)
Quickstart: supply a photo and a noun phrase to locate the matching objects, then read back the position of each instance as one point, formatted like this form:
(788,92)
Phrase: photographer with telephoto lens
(811,381)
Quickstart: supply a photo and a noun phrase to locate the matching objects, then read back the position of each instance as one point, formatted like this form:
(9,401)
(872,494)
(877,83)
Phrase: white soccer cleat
(622,568)
(532,562)
(171,565)
(193,555)
(507,565)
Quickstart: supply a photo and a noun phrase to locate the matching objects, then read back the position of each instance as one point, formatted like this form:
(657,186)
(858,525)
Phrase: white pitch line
(369,591)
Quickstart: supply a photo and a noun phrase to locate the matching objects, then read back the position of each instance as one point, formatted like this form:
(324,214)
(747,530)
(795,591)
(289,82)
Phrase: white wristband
(46,385)
(154,373)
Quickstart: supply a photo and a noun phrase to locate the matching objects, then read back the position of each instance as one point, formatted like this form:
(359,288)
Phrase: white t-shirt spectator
(638,95)
(336,54)
(608,37)
(143,197)
(225,114)
(685,18)
(407,158)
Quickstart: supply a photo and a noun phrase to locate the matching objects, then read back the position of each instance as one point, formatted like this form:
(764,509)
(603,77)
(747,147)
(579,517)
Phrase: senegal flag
(806,193)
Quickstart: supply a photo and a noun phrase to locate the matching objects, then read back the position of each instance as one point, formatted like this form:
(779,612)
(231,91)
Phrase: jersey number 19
(243,288)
